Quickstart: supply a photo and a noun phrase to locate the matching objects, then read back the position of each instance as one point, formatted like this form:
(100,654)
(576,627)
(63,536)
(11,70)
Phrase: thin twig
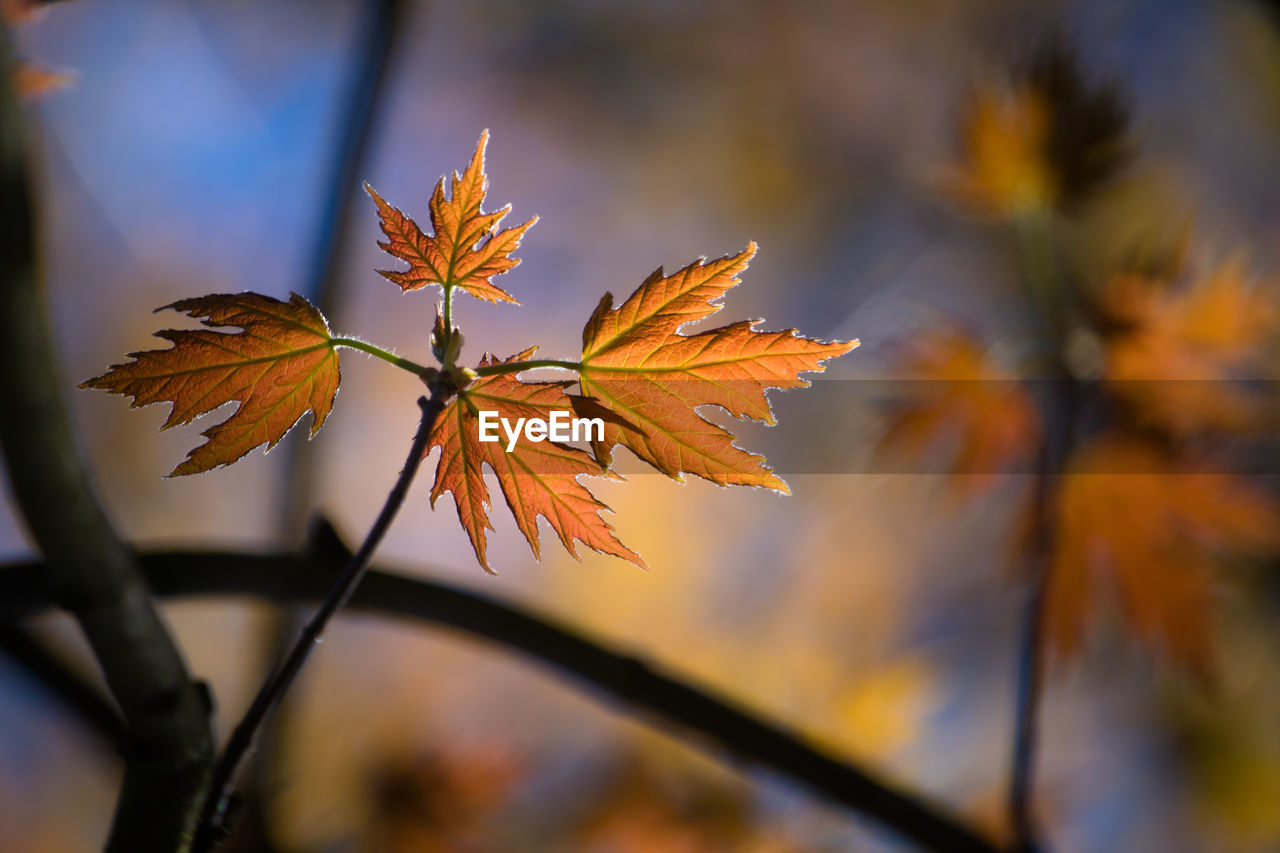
(673,705)
(89,566)
(213,821)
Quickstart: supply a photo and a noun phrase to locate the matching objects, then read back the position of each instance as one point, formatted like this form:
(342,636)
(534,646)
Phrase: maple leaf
(279,367)
(1177,350)
(1153,531)
(652,379)
(465,249)
(1004,169)
(967,402)
(1043,138)
(536,478)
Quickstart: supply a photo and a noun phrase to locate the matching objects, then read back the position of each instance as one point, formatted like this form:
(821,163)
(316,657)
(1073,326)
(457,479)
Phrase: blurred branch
(290,579)
(1051,309)
(214,824)
(384,20)
(53,673)
(1031,663)
(89,570)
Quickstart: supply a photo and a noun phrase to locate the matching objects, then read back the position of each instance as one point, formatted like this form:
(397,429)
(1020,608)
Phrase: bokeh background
(871,610)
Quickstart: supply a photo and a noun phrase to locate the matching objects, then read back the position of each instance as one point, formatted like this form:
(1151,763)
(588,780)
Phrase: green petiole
(518,366)
(420,370)
(378,352)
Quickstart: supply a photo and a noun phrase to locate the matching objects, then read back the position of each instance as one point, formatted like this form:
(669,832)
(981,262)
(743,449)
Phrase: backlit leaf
(637,365)
(536,478)
(465,249)
(279,367)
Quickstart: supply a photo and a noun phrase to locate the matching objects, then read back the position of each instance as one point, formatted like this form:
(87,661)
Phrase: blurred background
(874,610)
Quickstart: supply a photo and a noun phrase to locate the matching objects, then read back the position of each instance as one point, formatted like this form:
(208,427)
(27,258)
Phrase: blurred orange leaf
(32,81)
(279,367)
(1152,531)
(1178,350)
(1004,168)
(966,402)
(18,11)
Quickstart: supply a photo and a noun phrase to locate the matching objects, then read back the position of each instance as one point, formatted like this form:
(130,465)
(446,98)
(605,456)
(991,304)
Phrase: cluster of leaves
(638,372)
(1155,358)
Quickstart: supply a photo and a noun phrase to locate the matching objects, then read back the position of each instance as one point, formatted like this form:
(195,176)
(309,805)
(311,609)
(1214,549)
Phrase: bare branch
(91,572)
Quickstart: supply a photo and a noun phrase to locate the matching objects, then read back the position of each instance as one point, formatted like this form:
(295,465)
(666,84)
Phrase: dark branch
(1050,308)
(214,826)
(90,571)
(622,678)
(1031,654)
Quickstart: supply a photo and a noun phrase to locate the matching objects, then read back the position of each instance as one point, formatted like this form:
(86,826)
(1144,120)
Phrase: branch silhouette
(90,571)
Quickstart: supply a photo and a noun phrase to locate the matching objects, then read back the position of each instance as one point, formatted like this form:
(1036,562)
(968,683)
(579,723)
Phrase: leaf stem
(519,366)
(378,352)
(214,817)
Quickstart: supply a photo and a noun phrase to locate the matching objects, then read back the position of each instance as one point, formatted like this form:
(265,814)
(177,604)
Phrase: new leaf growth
(640,382)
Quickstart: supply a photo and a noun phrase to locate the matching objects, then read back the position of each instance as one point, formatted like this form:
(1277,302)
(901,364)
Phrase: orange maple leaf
(1154,531)
(967,402)
(536,478)
(1178,351)
(642,380)
(465,249)
(281,366)
(638,367)
(1004,169)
